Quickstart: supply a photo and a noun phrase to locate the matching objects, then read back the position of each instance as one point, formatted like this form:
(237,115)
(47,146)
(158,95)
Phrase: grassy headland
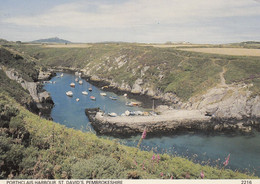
(164,70)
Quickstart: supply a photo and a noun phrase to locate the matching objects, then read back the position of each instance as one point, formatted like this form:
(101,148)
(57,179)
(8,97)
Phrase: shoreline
(121,127)
(147,101)
(168,123)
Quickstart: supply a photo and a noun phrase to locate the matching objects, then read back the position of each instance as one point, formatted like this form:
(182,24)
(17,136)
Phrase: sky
(144,21)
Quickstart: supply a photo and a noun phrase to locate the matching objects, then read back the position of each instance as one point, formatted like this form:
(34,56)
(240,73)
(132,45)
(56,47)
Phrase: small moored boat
(112,114)
(80,82)
(90,89)
(113,98)
(133,104)
(84,93)
(104,87)
(69,93)
(72,84)
(127,113)
(92,98)
(61,75)
(77,99)
(103,94)
(76,80)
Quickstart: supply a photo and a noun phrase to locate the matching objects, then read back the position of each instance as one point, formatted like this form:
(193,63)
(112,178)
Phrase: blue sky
(150,21)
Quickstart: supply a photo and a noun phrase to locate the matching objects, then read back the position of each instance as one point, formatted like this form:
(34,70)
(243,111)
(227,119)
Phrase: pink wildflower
(171,177)
(161,174)
(226,161)
(158,158)
(153,158)
(135,163)
(202,174)
(144,133)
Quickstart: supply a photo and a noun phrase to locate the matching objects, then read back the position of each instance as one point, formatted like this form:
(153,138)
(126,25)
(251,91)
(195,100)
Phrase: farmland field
(72,45)
(226,51)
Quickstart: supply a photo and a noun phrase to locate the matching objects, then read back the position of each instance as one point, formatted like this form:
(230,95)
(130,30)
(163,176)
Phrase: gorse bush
(98,167)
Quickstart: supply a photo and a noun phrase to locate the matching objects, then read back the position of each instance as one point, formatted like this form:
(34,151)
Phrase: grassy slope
(26,68)
(32,147)
(181,72)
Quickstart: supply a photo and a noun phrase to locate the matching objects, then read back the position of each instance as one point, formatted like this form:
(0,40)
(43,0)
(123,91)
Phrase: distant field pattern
(226,51)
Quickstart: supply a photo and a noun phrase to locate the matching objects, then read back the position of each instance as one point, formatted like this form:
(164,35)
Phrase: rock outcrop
(41,97)
(231,102)
(222,102)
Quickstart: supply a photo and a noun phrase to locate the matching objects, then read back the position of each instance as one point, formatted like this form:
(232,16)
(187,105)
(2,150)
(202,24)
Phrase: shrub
(99,167)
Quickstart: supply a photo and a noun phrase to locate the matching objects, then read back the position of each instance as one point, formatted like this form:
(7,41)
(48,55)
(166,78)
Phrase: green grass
(13,89)
(26,68)
(184,73)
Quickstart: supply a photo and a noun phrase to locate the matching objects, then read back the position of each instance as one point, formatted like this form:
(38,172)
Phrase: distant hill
(51,40)
(250,42)
(3,41)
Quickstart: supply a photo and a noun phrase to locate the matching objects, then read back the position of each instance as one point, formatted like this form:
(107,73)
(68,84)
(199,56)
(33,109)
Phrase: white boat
(103,94)
(127,113)
(125,95)
(113,98)
(61,75)
(80,82)
(84,93)
(76,80)
(131,104)
(77,99)
(90,89)
(92,98)
(72,84)
(69,93)
(138,113)
(112,114)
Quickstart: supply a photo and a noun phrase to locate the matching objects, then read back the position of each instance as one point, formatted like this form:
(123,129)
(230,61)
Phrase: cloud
(139,21)
(136,13)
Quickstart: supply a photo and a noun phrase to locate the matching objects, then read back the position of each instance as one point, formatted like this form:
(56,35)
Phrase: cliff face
(231,101)
(225,102)
(41,98)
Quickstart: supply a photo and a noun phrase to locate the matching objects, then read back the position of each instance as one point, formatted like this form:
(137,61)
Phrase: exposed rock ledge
(41,97)
(167,122)
(233,101)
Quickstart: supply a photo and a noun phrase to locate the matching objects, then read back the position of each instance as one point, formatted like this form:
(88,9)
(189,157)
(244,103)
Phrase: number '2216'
(246,182)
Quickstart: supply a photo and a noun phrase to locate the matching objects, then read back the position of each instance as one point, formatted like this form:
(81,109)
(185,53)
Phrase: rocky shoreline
(147,100)
(209,123)
(169,122)
(42,101)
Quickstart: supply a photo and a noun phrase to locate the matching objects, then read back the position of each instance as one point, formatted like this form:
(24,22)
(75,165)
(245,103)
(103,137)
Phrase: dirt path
(222,79)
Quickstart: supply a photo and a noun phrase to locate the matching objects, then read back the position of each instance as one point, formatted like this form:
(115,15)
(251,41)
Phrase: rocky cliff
(227,102)
(41,97)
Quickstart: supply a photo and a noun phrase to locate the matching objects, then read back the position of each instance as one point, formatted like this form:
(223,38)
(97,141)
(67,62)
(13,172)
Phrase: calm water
(244,150)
